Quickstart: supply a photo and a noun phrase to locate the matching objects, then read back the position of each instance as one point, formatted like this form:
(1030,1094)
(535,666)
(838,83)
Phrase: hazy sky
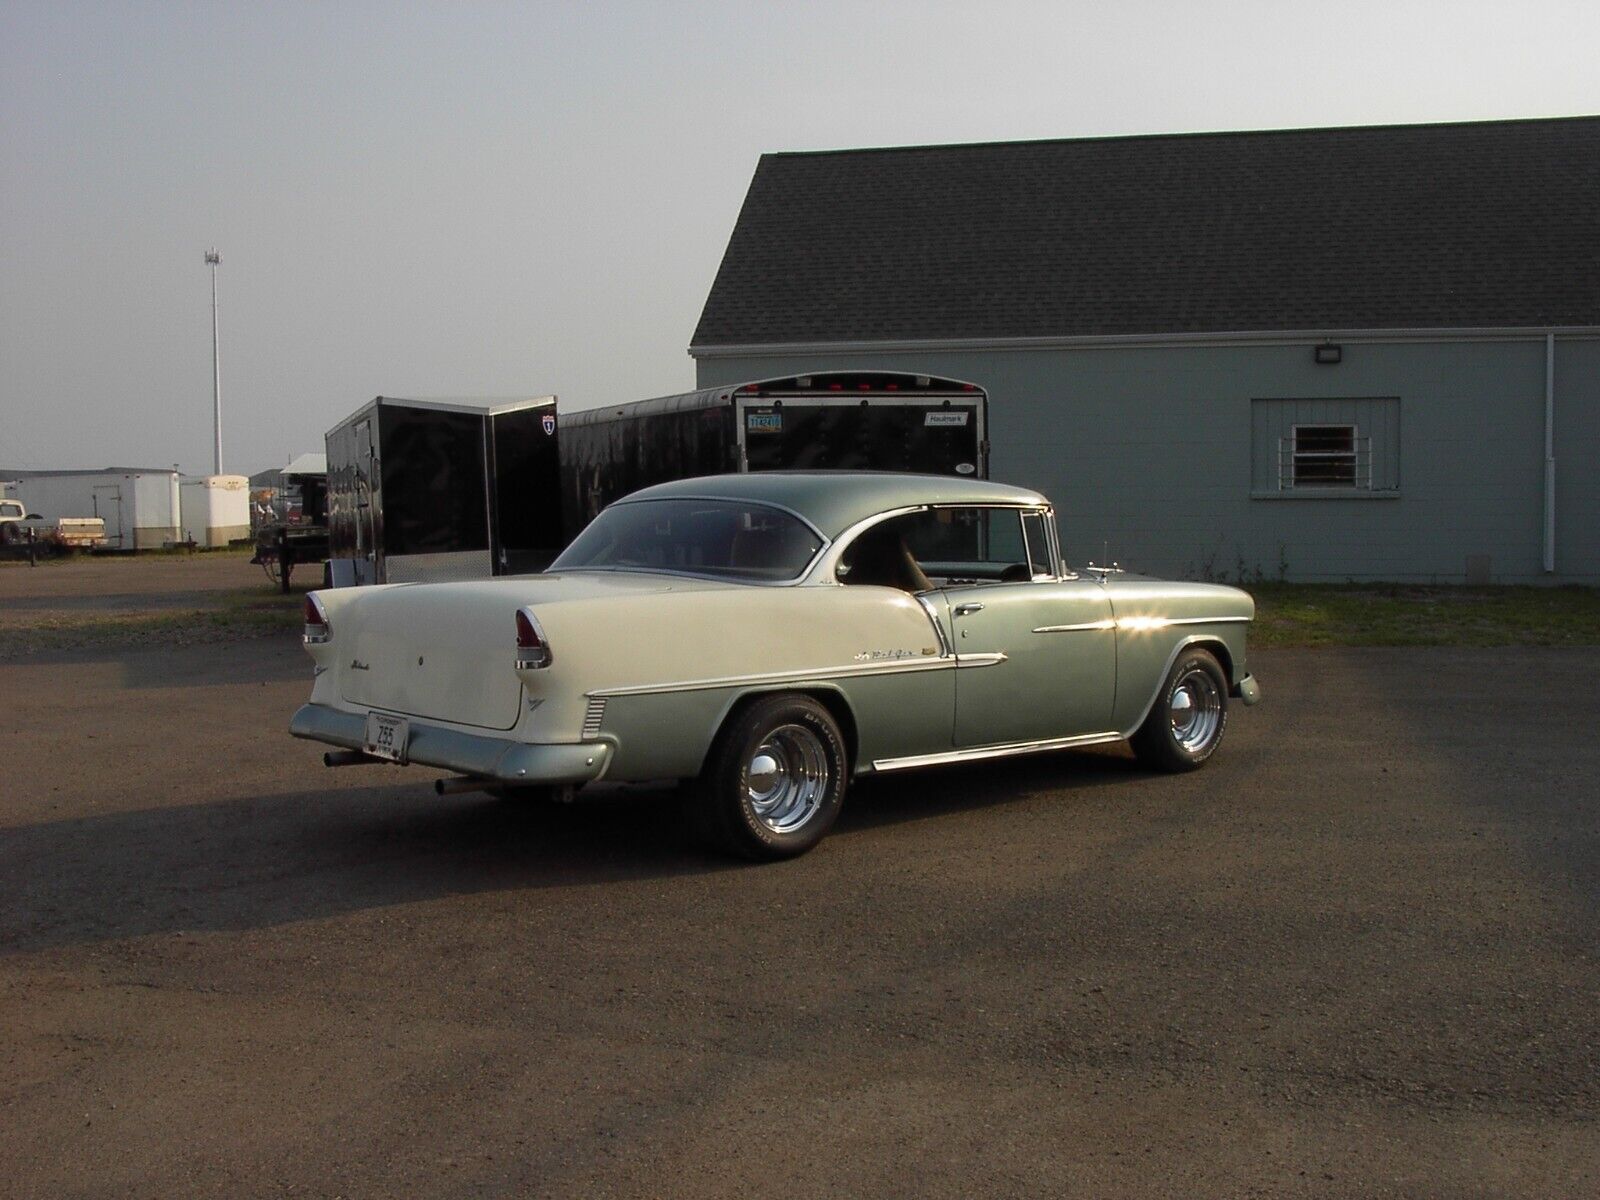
(513,199)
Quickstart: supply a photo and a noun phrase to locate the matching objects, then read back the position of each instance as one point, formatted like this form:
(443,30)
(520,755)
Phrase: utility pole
(214,259)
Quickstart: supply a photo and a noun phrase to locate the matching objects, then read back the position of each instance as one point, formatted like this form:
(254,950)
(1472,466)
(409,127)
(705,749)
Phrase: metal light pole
(213,258)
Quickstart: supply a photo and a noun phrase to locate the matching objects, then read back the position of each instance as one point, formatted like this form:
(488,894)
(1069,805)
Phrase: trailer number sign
(946,417)
(763,422)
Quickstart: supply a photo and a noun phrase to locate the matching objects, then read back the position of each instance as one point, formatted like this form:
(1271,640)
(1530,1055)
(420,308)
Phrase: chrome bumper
(1248,690)
(468,753)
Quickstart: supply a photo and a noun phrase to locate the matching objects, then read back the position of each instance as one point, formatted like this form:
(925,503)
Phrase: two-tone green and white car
(771,636)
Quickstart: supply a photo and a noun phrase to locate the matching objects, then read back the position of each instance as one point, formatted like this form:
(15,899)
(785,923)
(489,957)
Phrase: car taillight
(533,651)
(317,631)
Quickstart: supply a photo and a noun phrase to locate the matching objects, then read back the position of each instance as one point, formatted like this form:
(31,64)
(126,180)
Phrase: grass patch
(227,616)
(17,556)
(1291,614)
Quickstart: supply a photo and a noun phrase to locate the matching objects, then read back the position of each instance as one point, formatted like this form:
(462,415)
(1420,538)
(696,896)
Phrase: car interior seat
(880,556)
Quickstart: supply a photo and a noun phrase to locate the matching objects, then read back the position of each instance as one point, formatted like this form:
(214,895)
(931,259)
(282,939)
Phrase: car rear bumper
(469,753)
(1247,690)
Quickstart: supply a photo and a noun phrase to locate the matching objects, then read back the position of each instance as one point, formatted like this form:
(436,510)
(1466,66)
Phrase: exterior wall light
(1327,354)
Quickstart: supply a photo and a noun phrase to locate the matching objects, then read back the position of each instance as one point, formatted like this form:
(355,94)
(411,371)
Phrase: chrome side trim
(1001,751)
(594,716)
(990,659)
(887,667)
(1108,623)
(1145,624)
(938,629)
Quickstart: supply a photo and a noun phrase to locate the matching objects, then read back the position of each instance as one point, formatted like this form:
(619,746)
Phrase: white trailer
(141,508)
(215,509)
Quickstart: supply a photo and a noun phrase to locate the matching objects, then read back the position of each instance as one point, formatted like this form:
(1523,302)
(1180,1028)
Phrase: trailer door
(366,505)
(524,489)
(932,435)
(108,507)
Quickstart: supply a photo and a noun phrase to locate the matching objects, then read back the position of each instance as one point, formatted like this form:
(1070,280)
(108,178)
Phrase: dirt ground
(1354,956)
(116,583)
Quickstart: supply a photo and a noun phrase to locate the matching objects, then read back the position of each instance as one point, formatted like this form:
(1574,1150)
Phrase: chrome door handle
(962,610)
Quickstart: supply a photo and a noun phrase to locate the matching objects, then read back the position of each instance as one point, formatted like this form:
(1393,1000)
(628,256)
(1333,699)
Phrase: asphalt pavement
(1354,956)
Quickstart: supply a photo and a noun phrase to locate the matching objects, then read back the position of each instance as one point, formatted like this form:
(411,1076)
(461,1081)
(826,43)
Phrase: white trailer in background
(215,509)
(141,508)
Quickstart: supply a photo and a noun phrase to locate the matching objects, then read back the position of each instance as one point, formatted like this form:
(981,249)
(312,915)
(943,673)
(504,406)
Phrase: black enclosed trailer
(443,489)
(866,420)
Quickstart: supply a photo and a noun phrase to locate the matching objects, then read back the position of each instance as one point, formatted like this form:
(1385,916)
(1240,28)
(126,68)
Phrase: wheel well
(838,708)
(1220,649)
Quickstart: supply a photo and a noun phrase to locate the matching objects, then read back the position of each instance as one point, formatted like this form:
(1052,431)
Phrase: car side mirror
(33,517)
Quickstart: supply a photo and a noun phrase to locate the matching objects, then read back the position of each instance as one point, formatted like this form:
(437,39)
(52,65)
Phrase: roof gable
(1478,225)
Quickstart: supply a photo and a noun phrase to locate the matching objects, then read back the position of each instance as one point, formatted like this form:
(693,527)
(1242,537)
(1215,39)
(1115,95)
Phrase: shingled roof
(1480,225)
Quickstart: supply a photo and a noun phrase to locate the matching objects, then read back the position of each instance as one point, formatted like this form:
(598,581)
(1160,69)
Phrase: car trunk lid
(448,651)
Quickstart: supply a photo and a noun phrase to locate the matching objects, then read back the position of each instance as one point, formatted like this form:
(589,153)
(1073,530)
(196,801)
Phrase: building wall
(1577,430)
(1155,454)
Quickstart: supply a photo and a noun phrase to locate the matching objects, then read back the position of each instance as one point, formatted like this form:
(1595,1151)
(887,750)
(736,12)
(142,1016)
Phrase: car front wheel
(775,780)
(1186,723)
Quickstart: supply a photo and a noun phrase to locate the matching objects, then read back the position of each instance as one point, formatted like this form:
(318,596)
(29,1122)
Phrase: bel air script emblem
(887,655)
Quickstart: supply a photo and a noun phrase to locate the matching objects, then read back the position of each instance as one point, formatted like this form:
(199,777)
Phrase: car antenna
(1107,567)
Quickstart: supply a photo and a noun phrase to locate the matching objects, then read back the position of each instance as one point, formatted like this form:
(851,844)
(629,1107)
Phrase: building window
(1326,456)
(1337,448)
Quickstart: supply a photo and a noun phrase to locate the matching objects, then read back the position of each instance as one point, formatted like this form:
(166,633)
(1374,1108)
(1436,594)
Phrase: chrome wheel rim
(1195,708)
(786,778)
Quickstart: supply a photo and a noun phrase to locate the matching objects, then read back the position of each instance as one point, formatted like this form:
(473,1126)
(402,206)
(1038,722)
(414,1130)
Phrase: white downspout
(1549,453)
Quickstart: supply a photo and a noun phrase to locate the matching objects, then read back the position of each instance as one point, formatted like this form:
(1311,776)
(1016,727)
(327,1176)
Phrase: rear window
(732,538)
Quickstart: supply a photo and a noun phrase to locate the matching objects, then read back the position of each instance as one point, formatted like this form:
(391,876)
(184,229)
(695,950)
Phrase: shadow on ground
(270,860)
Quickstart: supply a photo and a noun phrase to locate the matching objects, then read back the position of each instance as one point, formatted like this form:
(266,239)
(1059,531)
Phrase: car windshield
(735,538)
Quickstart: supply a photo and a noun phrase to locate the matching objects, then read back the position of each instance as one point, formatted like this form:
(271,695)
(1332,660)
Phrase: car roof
(833,501)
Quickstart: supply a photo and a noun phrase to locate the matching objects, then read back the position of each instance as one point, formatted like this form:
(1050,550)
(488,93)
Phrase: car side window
(979,544)
(1041,556)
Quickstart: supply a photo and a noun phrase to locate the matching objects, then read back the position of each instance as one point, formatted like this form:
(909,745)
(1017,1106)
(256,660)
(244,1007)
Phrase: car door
(1035,660)
(1035,645)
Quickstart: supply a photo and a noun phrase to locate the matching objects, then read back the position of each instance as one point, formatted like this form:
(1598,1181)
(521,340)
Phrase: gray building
(1367,353)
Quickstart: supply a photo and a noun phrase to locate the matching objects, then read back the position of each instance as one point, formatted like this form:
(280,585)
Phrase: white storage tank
(216,509)
(140,507)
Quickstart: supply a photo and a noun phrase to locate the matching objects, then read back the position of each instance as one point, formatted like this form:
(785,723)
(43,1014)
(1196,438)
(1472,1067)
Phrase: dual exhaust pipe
(455,785)
(445,787)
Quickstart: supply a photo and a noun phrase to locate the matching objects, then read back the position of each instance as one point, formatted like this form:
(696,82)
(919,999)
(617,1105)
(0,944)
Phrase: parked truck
(18,528)
(867,420)
(443,489)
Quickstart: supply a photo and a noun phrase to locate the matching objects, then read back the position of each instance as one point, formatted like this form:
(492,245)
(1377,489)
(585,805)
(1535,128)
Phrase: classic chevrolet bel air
(769,637)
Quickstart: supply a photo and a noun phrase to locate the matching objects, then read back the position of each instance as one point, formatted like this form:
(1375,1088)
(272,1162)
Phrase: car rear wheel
(1187,721)
(775,780)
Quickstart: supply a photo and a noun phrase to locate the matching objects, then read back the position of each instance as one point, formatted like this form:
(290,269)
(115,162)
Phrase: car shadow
(271,860)
(265,861)
(880,800)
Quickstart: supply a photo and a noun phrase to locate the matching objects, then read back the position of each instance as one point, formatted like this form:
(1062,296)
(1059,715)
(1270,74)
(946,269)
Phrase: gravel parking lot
(1354,956)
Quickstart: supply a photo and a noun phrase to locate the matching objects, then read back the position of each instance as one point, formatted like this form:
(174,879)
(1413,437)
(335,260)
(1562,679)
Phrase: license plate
(387,736)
